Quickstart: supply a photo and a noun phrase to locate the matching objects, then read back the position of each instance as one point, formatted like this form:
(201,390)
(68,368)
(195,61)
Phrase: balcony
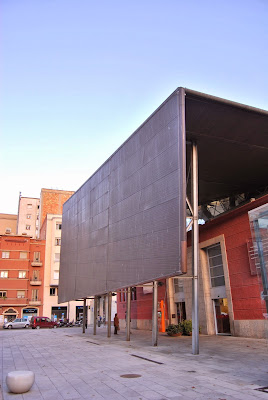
(13,301)
(35,282)
(35,302)
(36,264)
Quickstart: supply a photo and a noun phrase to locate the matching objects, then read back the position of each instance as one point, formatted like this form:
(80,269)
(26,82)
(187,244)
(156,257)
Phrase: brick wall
(245,288)
(52,202)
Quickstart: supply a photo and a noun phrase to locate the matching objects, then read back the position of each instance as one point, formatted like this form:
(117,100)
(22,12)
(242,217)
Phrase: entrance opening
(181,311)
(58,313)
(28,313)
(79,313)
(10,315)
(222,316)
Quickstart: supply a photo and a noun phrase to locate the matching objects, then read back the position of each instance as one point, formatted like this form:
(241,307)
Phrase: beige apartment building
(51,233)
(28,216)
(8,224)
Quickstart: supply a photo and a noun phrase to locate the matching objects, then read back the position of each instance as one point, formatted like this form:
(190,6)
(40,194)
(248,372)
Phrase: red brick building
(230,285)
(21,276)
(51,202)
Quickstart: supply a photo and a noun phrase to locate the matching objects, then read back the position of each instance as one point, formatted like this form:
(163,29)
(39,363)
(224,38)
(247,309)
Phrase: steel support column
(95,315)
(154,316)
(109,314)
(128,314)
(195,250)
(84,315)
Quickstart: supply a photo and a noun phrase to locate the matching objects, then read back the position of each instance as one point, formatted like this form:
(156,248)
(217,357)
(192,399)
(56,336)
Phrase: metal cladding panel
(125,225)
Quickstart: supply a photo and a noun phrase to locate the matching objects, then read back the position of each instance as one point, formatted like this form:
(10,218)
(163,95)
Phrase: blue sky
(79,76)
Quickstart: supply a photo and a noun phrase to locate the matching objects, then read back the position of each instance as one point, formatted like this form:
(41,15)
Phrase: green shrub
(187,327)
(174,329)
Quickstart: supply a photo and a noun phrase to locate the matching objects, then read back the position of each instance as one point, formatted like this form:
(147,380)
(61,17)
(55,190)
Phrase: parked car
(17,323)
(42,322)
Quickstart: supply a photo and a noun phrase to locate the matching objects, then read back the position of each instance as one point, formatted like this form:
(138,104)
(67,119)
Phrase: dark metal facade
(126,225)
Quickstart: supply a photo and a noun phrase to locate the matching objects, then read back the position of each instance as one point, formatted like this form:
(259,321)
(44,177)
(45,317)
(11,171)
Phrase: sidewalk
(70,365)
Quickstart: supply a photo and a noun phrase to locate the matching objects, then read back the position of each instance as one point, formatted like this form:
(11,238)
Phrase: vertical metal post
(128,314)
(109,314)
(84,316)
(154,316)
(195,251)
(95,315)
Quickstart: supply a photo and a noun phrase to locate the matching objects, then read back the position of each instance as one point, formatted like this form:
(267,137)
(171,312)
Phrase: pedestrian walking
(116,324)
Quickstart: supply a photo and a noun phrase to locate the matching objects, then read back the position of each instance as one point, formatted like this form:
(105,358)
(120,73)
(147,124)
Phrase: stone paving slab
(70,365)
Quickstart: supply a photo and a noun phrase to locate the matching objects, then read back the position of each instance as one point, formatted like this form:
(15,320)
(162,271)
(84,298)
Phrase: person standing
(116,324)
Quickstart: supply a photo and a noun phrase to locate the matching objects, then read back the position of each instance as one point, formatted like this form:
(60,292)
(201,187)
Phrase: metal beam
(84,316)
(154,316)
(109,314)
(95,315)
(128,314)
(195,251)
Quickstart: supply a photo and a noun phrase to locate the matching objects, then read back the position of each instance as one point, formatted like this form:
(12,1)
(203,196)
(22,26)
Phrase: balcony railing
(35,281)
(13,301)
(36,264)
(34,302)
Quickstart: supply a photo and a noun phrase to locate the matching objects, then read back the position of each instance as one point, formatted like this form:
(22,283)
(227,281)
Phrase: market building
(126,226)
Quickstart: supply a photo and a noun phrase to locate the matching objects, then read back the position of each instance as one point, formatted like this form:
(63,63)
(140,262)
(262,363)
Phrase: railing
(35,281)
(36,264)
(11,301)
(35,302)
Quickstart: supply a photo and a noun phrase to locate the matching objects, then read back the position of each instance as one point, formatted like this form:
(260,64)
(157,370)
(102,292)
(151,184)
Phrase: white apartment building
(28,216)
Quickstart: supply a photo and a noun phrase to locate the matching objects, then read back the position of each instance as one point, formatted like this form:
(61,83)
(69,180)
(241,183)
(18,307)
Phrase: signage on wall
(29,310)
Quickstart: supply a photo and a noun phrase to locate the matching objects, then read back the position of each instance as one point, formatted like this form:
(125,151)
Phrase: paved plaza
(70,365)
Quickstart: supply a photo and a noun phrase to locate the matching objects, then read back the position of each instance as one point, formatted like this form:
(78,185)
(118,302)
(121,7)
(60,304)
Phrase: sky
(78,77)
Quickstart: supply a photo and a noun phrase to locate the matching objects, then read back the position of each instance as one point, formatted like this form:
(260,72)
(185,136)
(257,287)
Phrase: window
(3,294)
(215,265)
(5,254)
(57,257)
(3,274)
(21,294)
(23,254)
(133,293)
(28,227)
(37,256)
(29,216)
(178,286)
(52,291)
(58,226)
(56,274)
(57,242)
(22,274)
(123,295)
(35,294)
(35,275)
(29,205)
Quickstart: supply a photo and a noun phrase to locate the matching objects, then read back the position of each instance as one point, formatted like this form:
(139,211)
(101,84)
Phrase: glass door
(222,316)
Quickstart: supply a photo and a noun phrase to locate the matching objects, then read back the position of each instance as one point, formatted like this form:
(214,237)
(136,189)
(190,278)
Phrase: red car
(42,322)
